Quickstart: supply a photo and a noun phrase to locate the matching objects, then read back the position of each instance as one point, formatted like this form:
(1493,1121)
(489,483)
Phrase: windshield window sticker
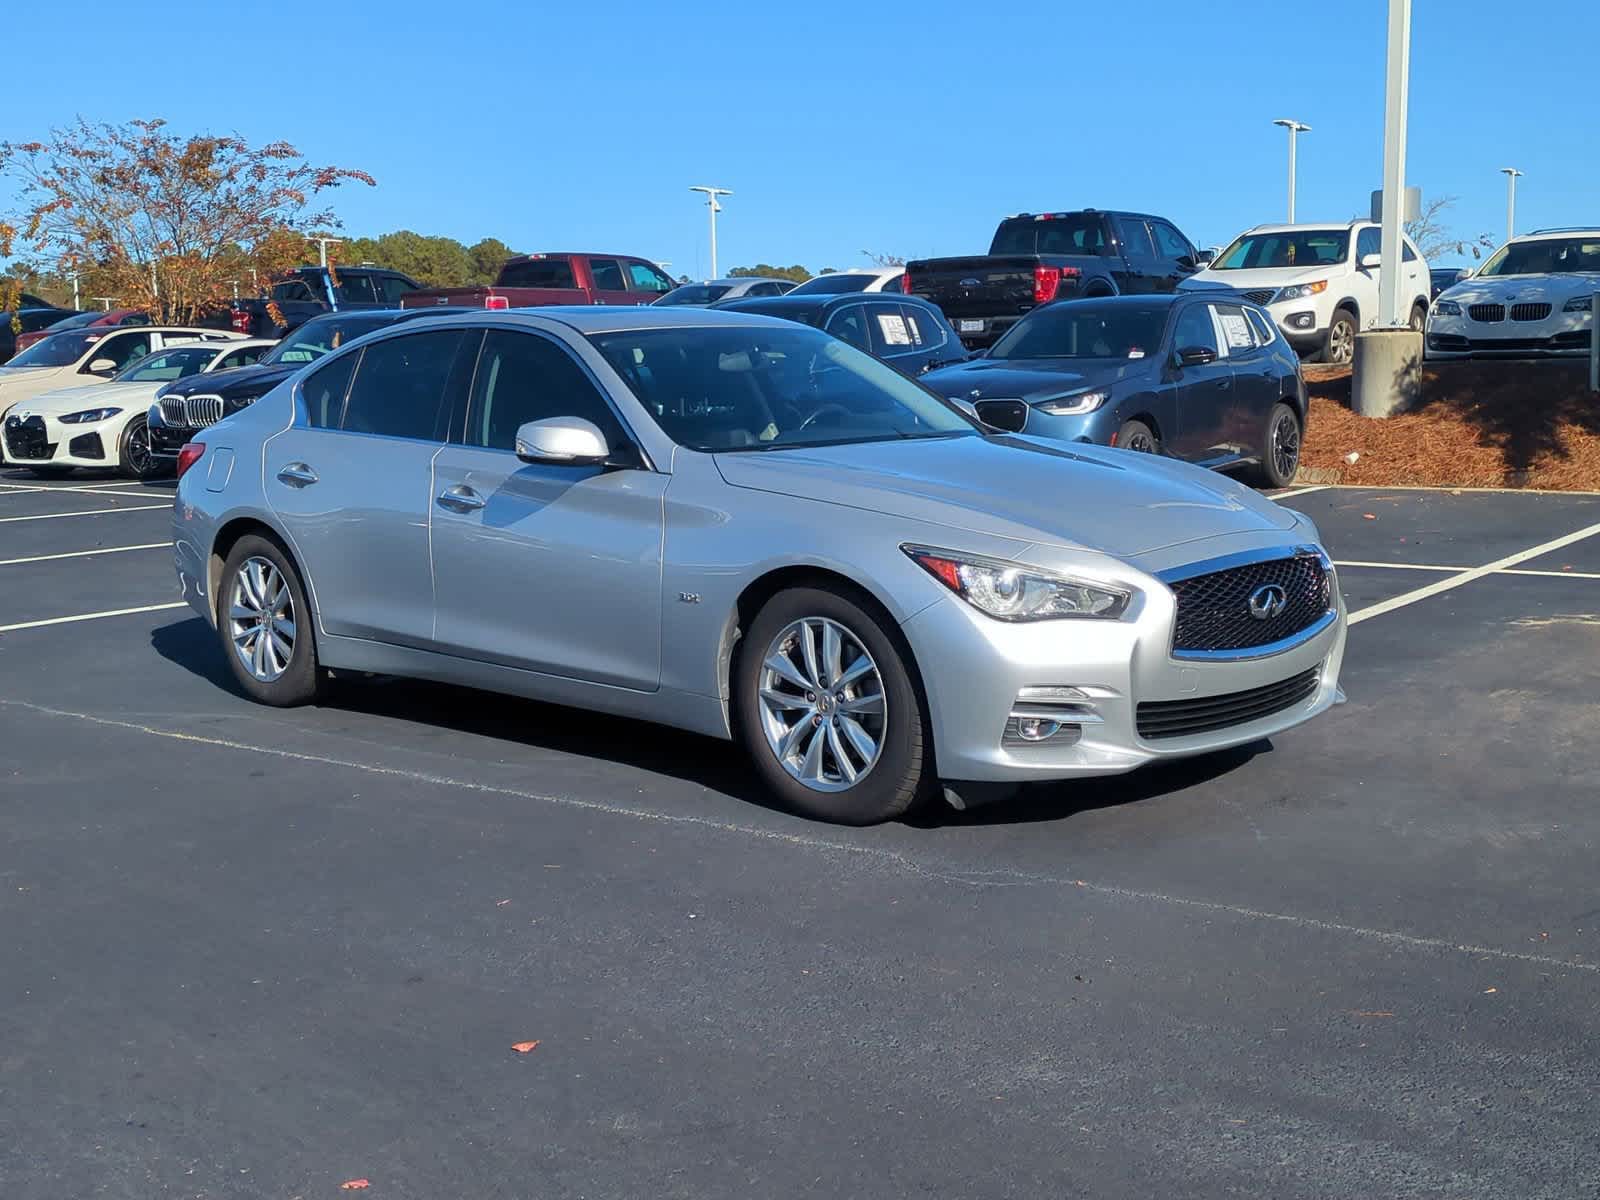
(1237,330)
(1135,352)
(893,328)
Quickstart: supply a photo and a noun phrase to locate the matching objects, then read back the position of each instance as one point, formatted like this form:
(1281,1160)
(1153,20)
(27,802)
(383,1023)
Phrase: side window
(892,334)
(120,349)
(1407,253)
(537,273)
(393,287)
(646,278)
(1135,238)
(1237,334)
(242,358)
(892,284)
(1170,242)
(400,386)
(524,377)
(765,289)
(926,329)
(1195,330)
(323,391)
(1265,334)
(355,289)
(850,325)
(607,275)
(293,289)
(1368,241)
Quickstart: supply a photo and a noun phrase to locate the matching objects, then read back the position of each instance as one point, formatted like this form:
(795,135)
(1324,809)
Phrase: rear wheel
(1139,437)
(1280,448)
(827,709)
(265,625)
(1339,346)
(134,459)
(1419,317)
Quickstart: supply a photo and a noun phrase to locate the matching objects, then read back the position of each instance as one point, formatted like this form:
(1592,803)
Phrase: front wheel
(265,625)
(1280,448)
(1138,437)
(1340,344)
(827,709)
(1419,317)
(134,460)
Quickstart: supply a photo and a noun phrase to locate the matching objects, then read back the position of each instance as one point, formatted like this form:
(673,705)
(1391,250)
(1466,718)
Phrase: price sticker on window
(893,328)
(1237,330)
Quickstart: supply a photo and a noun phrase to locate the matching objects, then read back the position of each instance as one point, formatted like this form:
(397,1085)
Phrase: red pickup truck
(533,280)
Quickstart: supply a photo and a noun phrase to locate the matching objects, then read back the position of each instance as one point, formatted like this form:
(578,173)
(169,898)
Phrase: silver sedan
(744,527)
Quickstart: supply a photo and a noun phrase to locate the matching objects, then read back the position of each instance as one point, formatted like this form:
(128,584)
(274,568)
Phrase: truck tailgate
(980,286)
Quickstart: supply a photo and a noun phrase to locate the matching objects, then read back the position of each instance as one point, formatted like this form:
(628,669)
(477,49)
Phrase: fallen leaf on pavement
(523,1047)
(354,1185)
(1369,516)
(1490,991)
(501,903)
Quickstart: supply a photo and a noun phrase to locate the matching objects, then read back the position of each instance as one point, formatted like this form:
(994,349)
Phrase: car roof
(611,318)
(1547,235)
(1310,227)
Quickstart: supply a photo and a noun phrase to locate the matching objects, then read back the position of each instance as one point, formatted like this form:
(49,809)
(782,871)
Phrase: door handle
(297,474)
(461,499)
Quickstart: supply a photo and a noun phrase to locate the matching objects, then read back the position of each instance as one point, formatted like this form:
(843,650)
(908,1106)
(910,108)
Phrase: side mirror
(1205,257)
(103,366)
(1186,263)
(1196,356)
(562,441)
(1371,261)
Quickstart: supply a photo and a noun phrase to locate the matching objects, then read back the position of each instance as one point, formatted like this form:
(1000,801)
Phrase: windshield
(57,350)
(835,283)
(755,388)
(165,365)
(1070,233)
(1301,248)
(696,293)
(321,336)
(1078,330)
(1549,256)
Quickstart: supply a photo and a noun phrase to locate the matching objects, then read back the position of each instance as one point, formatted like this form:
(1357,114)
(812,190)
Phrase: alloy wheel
(1286,445)
(1142,443)
(1341,342)
(261,619)
(138,448)
(823,707)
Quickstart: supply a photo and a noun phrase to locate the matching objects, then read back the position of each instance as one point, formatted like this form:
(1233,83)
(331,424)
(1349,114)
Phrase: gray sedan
(746,528)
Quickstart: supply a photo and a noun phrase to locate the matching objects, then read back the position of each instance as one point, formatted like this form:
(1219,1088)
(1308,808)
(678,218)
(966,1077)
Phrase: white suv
(1319,282)
(1535,295)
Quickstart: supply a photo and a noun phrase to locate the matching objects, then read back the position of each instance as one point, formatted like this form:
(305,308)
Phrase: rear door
(1139,251)
(1205,391)
(1174,253)
(350,482)
(905,336)
(545,567)
(1255,378)
(610,284)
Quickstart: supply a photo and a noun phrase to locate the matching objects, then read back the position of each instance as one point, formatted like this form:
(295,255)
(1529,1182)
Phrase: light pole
(1511,174)
(1295,128)
(322,246)
(711,202)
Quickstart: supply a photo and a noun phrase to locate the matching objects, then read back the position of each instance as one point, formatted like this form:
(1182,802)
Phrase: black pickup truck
(1037,258)
(308,292)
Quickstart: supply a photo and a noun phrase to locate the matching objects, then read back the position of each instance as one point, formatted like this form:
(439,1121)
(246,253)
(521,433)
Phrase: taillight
(493,301)
(905,282)
(239,319)
(189,455)
(1046,280)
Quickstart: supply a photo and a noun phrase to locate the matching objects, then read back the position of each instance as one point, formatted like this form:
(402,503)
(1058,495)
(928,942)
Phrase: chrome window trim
(1247,558)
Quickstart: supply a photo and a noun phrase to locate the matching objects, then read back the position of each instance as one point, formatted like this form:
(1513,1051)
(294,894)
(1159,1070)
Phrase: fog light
(1304,320)
(1036,729)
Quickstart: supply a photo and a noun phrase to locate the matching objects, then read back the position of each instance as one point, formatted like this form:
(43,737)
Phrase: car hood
(29,375)
(254,380)
(105,395)
(1263,277)
(1028,490)
(1503,289)
(1032,379)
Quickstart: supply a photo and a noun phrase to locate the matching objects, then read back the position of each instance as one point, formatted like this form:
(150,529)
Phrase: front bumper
(40,440)
(976,670)
(1562,334)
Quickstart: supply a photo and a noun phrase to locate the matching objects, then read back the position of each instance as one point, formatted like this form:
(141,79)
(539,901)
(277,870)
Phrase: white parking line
(1389,566)
(14,562)
(110,612)
(1466,577)
(92,512)
(1301,491)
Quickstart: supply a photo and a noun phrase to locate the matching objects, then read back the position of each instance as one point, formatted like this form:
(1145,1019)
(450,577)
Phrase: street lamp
(711,201)
(1295,128)
(1511,174)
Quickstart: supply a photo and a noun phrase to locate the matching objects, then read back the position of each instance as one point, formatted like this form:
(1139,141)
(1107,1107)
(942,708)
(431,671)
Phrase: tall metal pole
(1396,89)
(1295,128)
(711,194)
(1511,174)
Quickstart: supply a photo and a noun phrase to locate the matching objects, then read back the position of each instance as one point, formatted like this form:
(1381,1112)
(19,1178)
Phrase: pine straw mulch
(1474,424)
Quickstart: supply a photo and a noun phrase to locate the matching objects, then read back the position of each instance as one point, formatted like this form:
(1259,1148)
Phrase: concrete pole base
(1386,373)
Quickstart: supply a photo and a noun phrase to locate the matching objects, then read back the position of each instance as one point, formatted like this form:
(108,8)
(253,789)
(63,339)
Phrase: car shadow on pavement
(706,762)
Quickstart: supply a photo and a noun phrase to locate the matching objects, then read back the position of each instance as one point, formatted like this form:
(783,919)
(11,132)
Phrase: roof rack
(1566,229)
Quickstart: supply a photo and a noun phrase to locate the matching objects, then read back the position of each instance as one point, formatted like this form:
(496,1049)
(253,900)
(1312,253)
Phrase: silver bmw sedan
(746,528)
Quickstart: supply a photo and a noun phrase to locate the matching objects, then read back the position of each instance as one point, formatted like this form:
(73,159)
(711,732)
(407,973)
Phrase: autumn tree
(1435,239)
(884,261)
(163,222)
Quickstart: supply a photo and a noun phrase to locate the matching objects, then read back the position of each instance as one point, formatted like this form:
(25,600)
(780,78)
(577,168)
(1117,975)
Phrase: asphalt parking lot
(259,953)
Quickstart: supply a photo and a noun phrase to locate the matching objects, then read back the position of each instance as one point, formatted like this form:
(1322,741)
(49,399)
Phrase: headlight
(1301,291)
(1078,402)
(1009,592)
(88,416)
(1447,308)
(1579,304)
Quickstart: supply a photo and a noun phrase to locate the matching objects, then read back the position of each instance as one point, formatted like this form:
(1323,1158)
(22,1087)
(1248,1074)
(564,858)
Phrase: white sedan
(1534,297)
(103,424)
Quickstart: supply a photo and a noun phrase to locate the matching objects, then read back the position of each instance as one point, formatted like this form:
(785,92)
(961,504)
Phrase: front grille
(1204,714)
(203,410)
(25,439)
(1214,610)
(172,412)
(1009,415)
(1529,312)
(1259,295)
(1486,314)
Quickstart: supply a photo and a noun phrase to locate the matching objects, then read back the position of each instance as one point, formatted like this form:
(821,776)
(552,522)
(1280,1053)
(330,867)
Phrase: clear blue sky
(900,128)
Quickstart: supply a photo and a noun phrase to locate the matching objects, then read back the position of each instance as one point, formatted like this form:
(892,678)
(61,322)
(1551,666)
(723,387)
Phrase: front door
(1205,390)
(549,568)
(610,285)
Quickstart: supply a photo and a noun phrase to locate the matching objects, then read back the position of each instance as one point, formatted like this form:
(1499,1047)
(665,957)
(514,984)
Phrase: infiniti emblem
(1267,601)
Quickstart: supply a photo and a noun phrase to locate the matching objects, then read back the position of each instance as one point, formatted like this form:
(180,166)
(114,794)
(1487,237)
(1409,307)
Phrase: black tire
(51,472)
(134,460)
(1419,317)
(1339,343)
(1280,448)
(1138,437)
(301,678)
(900,776)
